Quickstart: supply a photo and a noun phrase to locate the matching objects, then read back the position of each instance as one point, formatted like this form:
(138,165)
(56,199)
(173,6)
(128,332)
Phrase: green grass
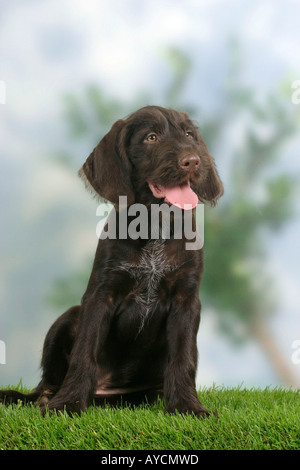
(248,419)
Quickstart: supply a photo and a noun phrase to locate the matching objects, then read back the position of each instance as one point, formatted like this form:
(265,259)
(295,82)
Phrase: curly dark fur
(134,334)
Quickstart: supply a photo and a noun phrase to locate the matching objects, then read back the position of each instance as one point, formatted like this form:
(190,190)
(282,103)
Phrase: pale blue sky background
(48,221)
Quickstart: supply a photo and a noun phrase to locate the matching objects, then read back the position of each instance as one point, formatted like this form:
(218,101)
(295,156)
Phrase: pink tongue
(178,195)
(181,195)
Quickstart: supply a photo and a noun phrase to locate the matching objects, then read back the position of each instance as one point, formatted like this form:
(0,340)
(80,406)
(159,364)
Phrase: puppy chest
(147,273)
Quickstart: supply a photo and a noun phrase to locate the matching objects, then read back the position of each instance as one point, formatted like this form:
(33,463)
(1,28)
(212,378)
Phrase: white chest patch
(152,266)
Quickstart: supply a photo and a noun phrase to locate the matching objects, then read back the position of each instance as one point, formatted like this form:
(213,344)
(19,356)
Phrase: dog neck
(157,222)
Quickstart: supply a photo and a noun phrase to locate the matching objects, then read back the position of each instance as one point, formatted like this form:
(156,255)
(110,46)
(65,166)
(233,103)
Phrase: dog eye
(151,138)
(189,134)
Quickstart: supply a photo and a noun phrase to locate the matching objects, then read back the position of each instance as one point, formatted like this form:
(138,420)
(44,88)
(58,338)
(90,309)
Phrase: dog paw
(203,413)
(66,407)
(197,411)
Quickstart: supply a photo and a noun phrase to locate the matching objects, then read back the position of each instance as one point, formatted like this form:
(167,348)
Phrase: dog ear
(211,189)
(107,170)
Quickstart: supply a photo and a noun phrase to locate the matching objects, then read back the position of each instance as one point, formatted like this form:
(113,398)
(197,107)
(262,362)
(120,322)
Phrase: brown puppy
(134,334)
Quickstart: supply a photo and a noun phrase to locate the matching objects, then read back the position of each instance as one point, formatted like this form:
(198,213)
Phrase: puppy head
(156,153)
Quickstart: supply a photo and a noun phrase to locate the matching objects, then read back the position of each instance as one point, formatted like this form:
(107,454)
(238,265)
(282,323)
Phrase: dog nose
(190,162)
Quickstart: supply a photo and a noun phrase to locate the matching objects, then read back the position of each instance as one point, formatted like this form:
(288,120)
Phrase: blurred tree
(236,283)
(259,201)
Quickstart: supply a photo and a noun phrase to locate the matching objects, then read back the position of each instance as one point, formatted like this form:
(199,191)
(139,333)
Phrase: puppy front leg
(179,381)
(80,381)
